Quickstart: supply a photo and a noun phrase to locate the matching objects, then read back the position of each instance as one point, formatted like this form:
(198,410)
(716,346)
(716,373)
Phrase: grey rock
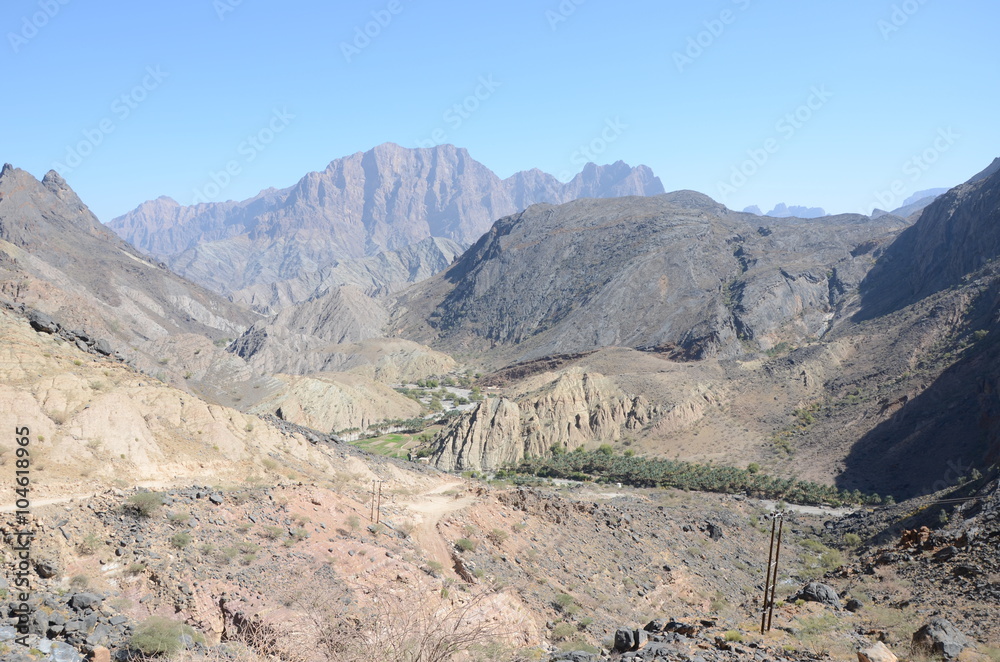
(624,640)
(61,652)
(46,569)
(940,637)
(41,322)
(816,592)
(217,499)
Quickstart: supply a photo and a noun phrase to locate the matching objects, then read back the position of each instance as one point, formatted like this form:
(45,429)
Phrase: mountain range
(283,246)
(623,344)
(781,210)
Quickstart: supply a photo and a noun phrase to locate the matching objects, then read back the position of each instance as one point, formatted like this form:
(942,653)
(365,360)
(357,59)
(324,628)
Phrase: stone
(624,640)
(853,605)
(940,637)
(816,592)
(877,653)
(46,569)
(61,652)
(216,499)
(946,553)
(100,654)
(41,322)
(81,601)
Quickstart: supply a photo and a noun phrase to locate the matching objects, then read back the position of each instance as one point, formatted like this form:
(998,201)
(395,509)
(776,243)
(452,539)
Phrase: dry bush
(412,624)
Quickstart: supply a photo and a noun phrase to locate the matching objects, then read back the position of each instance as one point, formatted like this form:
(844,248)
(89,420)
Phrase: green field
(394,444)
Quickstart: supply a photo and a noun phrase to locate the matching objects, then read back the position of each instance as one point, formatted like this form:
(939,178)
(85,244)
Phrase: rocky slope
(677,270)
(954,236)
(58,260)
(281,245)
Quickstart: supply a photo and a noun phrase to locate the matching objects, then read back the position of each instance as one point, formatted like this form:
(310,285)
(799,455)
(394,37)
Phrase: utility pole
(771,582)
(378,509)
(375,513)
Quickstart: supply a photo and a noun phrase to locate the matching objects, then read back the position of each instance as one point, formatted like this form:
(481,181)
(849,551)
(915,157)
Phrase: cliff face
(576,409)
(955,235)
(386,199)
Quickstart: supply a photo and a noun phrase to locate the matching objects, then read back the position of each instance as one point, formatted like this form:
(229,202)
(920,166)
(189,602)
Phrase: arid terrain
(563,439)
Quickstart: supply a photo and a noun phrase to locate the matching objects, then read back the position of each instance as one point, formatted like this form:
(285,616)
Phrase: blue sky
(821,103)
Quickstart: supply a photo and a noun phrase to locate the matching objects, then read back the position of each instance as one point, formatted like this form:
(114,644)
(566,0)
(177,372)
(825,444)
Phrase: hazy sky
(821,103)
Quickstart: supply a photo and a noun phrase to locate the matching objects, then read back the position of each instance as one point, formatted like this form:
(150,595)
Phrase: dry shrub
(406,624)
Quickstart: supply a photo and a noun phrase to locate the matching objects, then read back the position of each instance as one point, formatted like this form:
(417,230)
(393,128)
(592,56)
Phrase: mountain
(913,204)
(56,258)
(955,235)
(922,195)
(672,270)
(989,171)
(283,245)
(781,210)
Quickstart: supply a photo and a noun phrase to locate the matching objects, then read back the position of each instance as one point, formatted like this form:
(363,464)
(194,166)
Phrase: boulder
(43,323)
(85,601)
(940,637)
(877,653)
(853,605)
(816,592)
(624,640)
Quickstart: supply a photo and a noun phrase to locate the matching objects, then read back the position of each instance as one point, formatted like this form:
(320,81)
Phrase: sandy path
(430,507)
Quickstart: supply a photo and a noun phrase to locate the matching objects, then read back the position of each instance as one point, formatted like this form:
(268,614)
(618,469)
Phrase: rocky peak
(361,205)
(956,234)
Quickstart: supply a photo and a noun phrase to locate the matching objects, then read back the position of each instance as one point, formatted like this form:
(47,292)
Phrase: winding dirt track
(430,507)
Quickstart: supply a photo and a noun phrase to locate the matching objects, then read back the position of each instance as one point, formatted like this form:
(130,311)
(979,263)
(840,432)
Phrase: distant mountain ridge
(781,210)
(386,199)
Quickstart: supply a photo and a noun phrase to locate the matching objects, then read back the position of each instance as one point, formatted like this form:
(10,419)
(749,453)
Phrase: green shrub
(563,601)
(180,539)
(272,532)
(563,630)
(733,635)
(89,544)
(145,503)
(466,545)
(158,636)
(497,536)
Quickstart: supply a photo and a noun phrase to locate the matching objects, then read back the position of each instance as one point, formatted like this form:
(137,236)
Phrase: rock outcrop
(575,409)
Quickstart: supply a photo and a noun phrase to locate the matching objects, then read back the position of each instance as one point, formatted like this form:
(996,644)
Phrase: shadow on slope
(950,428)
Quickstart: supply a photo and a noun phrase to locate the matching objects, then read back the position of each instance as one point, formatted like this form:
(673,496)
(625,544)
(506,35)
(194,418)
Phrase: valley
(583,403)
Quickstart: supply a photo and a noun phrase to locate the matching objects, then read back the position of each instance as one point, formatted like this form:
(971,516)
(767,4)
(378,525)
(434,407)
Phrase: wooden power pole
(771,582)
